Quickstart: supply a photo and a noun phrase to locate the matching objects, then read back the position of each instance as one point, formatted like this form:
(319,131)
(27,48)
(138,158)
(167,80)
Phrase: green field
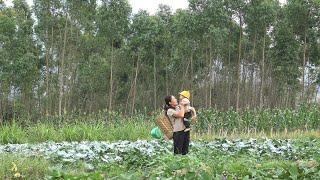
(82,83)
(220,158)
(274,144)
(104,126)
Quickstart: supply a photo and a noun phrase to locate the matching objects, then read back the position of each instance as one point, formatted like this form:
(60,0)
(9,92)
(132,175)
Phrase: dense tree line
(63,56)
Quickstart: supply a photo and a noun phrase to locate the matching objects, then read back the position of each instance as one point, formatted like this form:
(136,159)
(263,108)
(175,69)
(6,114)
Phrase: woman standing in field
(175,113)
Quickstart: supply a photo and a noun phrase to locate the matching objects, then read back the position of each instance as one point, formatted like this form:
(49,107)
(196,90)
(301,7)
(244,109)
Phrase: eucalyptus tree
(301,22)
(113,24)
(215,20)
(166,46)
(314,46)
(24,62)
(48,33)
(7,33)
(92,55)
(143,41)
(260,17)
(285,65)
(84,59)
(186,39)
(236,9)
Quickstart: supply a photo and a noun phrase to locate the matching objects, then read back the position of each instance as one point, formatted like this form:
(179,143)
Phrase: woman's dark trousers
(181,142)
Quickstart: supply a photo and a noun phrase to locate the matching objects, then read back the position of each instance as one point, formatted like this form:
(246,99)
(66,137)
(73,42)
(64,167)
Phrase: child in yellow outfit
(189,111)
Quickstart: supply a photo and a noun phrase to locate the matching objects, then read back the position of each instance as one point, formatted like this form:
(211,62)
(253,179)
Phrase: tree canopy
(58,57)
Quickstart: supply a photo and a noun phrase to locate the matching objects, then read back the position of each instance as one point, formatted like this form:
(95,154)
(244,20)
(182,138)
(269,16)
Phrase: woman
(175,113)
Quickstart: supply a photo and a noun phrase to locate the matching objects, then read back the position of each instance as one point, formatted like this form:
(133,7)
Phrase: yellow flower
(17,175)
(14,167)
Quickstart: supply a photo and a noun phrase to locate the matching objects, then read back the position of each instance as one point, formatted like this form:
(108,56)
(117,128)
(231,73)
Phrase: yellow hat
(185,94)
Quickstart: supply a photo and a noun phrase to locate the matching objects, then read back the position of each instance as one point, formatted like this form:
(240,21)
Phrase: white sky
(150,5)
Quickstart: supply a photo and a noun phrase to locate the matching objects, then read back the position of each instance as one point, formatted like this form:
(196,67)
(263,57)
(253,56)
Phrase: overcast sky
(150,5)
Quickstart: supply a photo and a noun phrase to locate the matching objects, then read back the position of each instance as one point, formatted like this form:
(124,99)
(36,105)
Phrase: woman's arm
(180,114)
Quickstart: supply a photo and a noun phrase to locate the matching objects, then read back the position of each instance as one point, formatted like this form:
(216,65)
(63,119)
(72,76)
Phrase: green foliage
(206,163)
(109,51)
(26,167)
(114,126)
(260,119)
(221,158)
(12,134)
(113,19)
(76,128)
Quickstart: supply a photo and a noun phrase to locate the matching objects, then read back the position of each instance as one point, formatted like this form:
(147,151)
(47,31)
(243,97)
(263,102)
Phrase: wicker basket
(165,125)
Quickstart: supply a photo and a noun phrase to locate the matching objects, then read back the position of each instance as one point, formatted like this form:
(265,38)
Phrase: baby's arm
(194,112)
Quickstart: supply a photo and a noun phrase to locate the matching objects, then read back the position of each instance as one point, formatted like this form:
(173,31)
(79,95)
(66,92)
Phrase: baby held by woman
(189,111)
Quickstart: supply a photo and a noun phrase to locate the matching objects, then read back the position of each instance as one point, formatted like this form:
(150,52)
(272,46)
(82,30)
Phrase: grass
(261,120)
(295,134)
(190,167)
(41,132)
(201,163)
(273,124)
(82,131)
(34,167)
(165,165)
(12,134)
(105,126)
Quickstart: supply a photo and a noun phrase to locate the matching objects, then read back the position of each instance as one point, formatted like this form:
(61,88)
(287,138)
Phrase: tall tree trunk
(116,89)
(316,94)
(127,110)
(1,104)
(50,90)
(309,91)
(3,101)
(210,73)
(14,103)
(6,99)
(251,103)
(244,80)
(67,93)
(154,80)
(191,76)
(185,75)
(286,98)
(239,66)
(73,75)
(206,83)
(47,75)
(135,84)
(304,65)
(262,71)
(224,92)
(272,85)
(273,94)
(167,75)
(65,102)
(68,81)
(71,90)
(215,88)
(229,70)
(111,78)
(130,91)
(166,78)
(62,68)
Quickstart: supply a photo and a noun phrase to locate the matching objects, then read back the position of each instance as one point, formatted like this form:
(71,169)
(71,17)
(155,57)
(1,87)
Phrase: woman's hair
(167,106)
